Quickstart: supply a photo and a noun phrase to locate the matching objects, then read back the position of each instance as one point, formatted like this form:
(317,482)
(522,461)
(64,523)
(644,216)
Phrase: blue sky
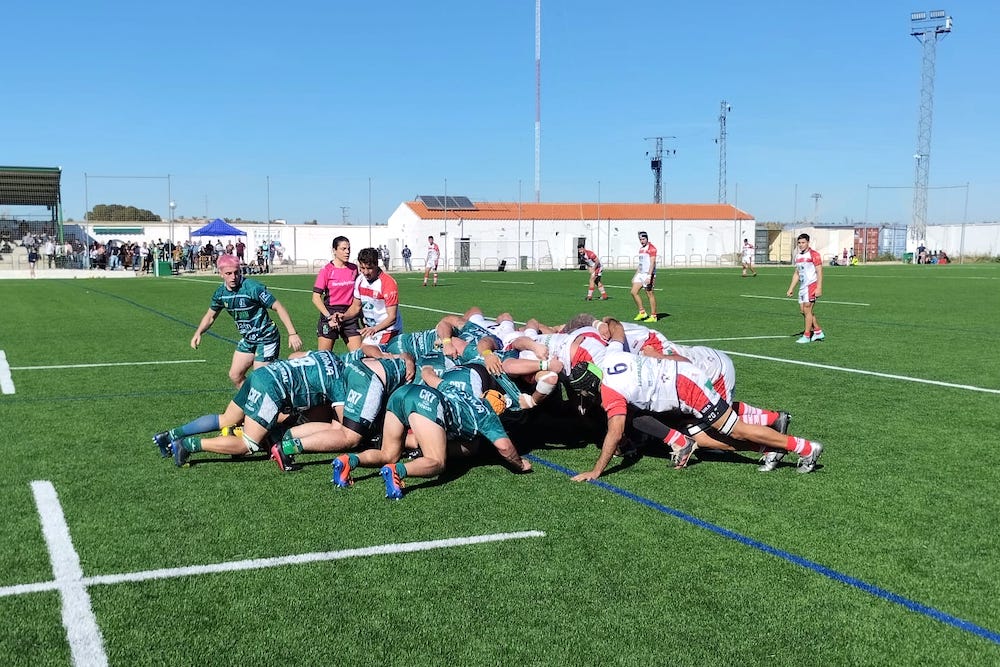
(329,101)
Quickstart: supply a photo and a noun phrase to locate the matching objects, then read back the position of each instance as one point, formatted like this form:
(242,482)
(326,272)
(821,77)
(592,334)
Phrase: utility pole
(656,164)
(927,27)
(724,111)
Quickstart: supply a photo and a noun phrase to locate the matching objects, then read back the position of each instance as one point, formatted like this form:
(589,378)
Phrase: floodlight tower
(656,164)
(725,109)
(927,27)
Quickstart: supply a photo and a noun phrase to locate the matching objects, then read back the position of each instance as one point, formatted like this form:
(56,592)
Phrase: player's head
(580,246)
(585,379)
(430,239)
(802,240)
(229,269)
(643,238)
(368,263)
(745,241)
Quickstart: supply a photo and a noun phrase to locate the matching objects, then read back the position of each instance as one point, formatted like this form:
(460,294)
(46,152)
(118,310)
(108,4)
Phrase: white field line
(120,363)
(6,381)
(792,298)
(890,376)
(506,282)
(279,561)
(85,641)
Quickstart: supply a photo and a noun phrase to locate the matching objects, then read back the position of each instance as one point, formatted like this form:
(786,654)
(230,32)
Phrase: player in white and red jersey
(808,275)
(644,278)
(376,300)
(716,364)
(661,386)
(747,258)
(431,260)
(590,259)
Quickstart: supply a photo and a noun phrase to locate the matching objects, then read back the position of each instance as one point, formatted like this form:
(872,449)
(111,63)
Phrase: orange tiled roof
(585,211)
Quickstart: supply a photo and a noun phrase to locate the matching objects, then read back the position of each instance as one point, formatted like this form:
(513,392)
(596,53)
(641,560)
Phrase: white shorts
(641,278)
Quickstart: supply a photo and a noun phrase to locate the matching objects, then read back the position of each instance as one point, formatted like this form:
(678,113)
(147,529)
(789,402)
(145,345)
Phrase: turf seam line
(830,573)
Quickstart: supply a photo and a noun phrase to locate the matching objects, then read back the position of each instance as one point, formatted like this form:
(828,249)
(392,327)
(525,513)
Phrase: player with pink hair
(247,301)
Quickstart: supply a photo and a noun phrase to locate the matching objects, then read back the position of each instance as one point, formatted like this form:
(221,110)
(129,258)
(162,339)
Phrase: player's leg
(242,361)
(636,286)
(652,299)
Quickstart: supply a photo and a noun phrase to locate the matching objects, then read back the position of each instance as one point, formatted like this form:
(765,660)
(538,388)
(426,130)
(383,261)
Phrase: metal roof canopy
(31,186)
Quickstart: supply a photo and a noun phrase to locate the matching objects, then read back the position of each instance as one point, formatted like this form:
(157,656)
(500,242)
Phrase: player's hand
(449,349)
(819,293)
(789,293)
(585,476)
(195,341)
(493,364)
(295,342)
(411,366)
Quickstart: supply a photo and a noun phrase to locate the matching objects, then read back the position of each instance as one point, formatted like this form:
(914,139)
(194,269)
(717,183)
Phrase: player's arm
(320,304)
(445,329)
(616,430)
(352,311)
(508,451)
(819,278)
(294,341)
(384,324)
(206,323)
(795,281)
(429,377)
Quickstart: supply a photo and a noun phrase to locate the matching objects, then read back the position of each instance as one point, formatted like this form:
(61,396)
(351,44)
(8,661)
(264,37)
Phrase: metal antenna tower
(927,27)
(656,164)
(816,197)
(725,109)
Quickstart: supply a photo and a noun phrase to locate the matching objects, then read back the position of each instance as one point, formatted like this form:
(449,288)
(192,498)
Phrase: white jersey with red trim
(657,385)
(433,255)
(638,337)
(748,251)
(376,297)
(647,258)
(806,263)
(589,346)
(589,258)
(716,365)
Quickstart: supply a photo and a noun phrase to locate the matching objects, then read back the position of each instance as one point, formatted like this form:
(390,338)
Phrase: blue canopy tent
(218,228)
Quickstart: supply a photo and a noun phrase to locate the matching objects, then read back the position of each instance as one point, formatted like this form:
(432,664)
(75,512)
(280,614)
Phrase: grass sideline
(904,500)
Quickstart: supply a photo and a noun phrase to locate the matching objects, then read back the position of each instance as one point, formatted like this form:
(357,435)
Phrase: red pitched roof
(585,211)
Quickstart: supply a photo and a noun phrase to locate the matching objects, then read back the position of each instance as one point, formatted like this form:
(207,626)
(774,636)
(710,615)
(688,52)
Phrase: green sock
(401,470)
(352,460)
(291,445)
(191,443)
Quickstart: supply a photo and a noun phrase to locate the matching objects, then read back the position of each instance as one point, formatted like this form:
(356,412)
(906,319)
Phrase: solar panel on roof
(441,203)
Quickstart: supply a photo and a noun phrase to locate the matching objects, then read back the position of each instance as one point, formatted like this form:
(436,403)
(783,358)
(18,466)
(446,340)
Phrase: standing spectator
(241,251)
(407,255)
(747,258)
(431,260)
(114,256)
(333,294)
(644,278)
(272,250)
(808,274)
(32,260)
(49,250)
(230,248)
(845,261)
(147,257)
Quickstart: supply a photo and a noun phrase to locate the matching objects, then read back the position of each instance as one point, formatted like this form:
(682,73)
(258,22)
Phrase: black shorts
(346,329)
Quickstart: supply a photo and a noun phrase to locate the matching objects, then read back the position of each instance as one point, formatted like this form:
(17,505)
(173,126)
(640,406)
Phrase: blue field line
(936,614)
(162,314)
